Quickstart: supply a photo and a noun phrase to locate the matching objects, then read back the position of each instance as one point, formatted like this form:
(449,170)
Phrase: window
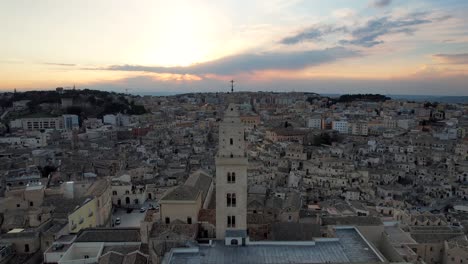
(17,205)
(127,192)
(114,192)
(31,203)
(86,256)
(189,220)
(26,247)
(168,220)
(231,177)
(231,221)
(231,141)
(231,200)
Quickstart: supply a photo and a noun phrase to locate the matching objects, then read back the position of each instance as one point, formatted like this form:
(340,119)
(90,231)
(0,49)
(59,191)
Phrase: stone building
(231,175)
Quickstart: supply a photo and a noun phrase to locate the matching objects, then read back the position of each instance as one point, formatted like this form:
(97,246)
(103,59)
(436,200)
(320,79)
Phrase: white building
(315,122)
(67,122)
(116,120)
(30,142)
(341,126)
(70,122)
(38,123)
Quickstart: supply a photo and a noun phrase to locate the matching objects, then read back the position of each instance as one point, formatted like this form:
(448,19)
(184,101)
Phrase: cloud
(344,13)
(313,33)
(59,64)
(368,35)
(435,85)
(249,62)
(461,58)
(381,3)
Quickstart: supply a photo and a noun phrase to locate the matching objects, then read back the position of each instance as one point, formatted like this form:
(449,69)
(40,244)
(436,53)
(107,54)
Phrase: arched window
(231,221)
(231,141)
(233,200)
(228,200)
(231,177)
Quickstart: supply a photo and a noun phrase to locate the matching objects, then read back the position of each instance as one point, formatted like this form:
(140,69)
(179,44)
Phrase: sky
(171,46)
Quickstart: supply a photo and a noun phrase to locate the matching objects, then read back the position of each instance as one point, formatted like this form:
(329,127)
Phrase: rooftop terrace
(348,247)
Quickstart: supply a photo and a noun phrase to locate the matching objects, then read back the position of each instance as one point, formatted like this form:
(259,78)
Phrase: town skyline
(380,46)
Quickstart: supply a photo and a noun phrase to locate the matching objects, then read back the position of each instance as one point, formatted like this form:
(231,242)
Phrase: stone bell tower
(231,176)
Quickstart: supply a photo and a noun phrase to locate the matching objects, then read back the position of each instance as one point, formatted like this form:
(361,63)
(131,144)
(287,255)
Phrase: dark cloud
(368,35)
(313,33)
(59,64)
(381,3)
(435,85)
(250,62)
(461,58)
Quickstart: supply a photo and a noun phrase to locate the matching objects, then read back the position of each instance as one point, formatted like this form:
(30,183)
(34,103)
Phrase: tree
(322,139)
(32,107)
(74,110)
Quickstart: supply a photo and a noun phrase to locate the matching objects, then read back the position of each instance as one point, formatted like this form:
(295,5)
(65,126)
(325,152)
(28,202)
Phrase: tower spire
(232,86)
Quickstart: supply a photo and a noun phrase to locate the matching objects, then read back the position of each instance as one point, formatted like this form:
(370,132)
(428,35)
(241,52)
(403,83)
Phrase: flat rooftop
(397,236)
(349,247)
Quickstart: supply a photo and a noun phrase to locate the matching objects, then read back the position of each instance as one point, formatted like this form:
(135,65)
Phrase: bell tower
(231,175)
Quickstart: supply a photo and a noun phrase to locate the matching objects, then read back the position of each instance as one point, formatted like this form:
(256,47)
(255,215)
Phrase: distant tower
(231,176)
(232,86)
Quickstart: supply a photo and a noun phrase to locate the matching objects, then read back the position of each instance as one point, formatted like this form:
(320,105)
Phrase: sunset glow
(153,46)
